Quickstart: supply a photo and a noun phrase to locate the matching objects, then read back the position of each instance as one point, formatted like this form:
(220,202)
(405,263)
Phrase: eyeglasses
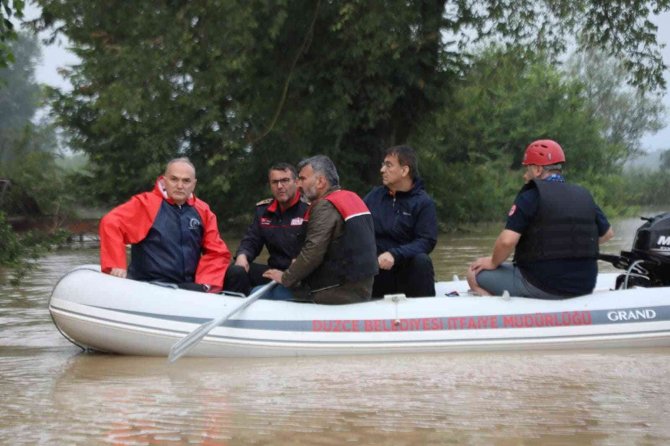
(283,181)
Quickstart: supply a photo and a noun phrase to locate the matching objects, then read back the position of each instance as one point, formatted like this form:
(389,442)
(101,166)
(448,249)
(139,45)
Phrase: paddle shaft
(190,340)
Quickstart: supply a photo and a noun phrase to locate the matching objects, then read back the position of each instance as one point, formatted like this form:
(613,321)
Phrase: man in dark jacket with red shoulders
(279,224)
(174,235)
(405,227)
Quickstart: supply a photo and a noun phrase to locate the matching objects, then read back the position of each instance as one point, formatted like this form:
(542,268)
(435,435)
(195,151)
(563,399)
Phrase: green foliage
(612,193)
(28,151)
(19,252)
(10,249)
(8,9)
(239,85)
(38,175)
(470,193)
(20,97)
(505,101)
(665,160)
(508,99)
(158,81)
(647,188)
(644,186)
(28,155)
(626,30)
(625,113)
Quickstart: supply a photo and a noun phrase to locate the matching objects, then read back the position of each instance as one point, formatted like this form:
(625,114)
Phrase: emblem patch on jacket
(296,221)
(193,223)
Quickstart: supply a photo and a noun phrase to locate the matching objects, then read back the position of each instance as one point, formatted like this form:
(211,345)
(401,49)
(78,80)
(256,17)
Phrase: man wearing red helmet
(553,228)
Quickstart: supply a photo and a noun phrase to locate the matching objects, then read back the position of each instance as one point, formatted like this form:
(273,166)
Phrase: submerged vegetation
(20,251)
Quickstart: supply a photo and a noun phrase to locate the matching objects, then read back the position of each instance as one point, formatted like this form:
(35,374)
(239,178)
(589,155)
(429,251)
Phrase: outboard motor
(648,263)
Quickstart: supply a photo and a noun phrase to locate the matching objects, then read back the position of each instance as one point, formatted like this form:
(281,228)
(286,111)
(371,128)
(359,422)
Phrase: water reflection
(52,394)
(411,399)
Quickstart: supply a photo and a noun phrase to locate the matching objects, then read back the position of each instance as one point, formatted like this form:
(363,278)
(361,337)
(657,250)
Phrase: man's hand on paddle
(274,274)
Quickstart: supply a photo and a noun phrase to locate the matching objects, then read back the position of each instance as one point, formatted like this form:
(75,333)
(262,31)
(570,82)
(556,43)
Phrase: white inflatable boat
(100,312)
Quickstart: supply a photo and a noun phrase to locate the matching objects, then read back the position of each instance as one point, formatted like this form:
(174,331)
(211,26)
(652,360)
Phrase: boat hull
(104,313)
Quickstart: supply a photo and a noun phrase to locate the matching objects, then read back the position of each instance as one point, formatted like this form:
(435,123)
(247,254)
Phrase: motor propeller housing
(647,264)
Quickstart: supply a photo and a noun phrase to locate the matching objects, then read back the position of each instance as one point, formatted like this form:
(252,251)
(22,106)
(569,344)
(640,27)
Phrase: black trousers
(414,277)
(240,281)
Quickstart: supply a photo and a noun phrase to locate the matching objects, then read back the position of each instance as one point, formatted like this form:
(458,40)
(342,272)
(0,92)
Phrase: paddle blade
(187,342)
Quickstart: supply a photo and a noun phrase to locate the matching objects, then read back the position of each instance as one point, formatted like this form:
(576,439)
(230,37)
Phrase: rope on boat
(639,272)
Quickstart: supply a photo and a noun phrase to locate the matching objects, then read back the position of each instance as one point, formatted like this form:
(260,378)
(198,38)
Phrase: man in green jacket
(338,260)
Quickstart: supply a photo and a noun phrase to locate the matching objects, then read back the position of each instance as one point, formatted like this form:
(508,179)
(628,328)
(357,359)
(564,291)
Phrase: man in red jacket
(174,235)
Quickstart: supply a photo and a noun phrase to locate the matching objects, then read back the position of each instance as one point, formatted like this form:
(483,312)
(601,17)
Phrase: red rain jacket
(129,223)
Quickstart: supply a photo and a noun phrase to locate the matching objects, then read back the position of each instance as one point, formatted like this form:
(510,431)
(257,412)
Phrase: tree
(236,85)
(665,160)
(472,150)
(8,10)
(28,151)
(27,158)
(626,113)
(20,98)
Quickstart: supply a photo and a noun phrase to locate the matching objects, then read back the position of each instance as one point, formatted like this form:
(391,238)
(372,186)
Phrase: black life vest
(352,256)
(564,226)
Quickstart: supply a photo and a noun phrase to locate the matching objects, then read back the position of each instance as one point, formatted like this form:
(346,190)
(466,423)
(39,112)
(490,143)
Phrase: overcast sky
(56,55)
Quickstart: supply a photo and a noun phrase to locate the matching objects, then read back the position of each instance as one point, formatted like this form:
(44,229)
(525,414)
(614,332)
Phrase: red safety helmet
(543,152)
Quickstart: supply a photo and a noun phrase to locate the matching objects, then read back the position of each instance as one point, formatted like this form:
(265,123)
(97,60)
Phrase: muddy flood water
(53,394)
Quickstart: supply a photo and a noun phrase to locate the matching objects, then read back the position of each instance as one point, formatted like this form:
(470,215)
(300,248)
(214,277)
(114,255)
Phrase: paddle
(191,339)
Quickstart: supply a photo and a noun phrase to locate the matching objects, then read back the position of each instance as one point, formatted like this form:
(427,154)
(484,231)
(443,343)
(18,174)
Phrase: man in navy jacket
(405,227)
